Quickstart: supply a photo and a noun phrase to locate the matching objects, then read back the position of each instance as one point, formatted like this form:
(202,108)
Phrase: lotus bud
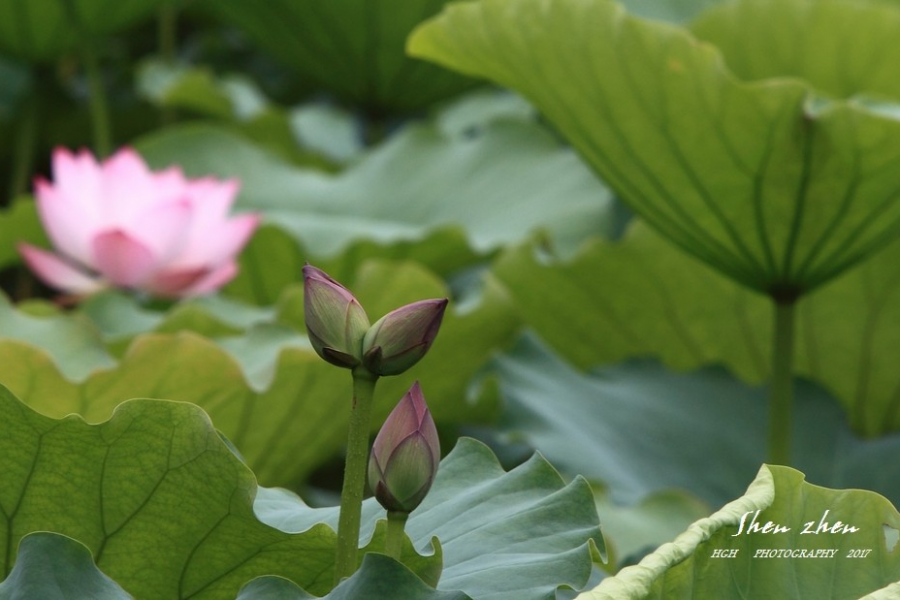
(335,321)
(405,455)
(400,338)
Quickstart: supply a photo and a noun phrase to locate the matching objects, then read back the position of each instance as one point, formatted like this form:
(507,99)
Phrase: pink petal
(222,243)
(69,224)
(78,174)
(57,273)
(174,283)
(235,234)
(212,198)
(214,280)
(123,260)
(171,182)
(164,229)
(130,188)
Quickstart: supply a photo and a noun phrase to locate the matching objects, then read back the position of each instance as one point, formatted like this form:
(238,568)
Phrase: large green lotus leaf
(196,89)
(350,48)
(759,39)
(266,426)
(42,30)
(516,535)
(73,343)
(164,506)
(686,569)
(477,109)
(676,11)
(50,566)
(329,130)
(498,184)
(378,578)
(641,429)
(119,317)
(769,182)
(889,592)
(256,384)
(299,136)
(632,530)
(639,297)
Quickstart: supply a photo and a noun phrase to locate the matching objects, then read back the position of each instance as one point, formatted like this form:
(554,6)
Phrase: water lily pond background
(615,199)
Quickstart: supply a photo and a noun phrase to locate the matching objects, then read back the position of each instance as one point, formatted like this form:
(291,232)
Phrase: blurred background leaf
(353,49)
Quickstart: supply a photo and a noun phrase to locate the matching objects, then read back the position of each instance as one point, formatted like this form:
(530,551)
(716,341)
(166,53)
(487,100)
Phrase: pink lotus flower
(116,223)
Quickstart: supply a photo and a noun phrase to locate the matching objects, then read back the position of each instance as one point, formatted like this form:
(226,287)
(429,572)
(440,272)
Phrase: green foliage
(685,569)
(257,376)
(759,40)
(493,525)
(72,343)
(758,135)
(624,418)
(351,48)
(379,578)
(163,505)
(42,30)
(677,11)
(631,530)
(497,185)
(238,104)
(74,573)
(167,510)
(771,183)
(638,297)
(19,223)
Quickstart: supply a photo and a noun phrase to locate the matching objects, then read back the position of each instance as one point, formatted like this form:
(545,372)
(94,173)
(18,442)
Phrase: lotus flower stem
(97,101)
(98,104)
(781,390)
(167,40)
(23,151)
(167,29)
(354,473)
(393,540)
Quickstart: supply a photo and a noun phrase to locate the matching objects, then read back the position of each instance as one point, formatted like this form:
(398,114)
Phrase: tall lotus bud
(405,455)
(400,338)
(335,321)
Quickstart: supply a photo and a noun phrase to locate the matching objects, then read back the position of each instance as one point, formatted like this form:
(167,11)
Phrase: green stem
(393,540)
(781,391)
(99,107)
(167,27)
(23,151)
(354,474)
(167,32)
(98,104)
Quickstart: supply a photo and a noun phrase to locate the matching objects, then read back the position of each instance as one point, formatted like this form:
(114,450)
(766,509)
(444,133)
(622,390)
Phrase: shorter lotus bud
(335,321)
(405,455)
(400,338)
